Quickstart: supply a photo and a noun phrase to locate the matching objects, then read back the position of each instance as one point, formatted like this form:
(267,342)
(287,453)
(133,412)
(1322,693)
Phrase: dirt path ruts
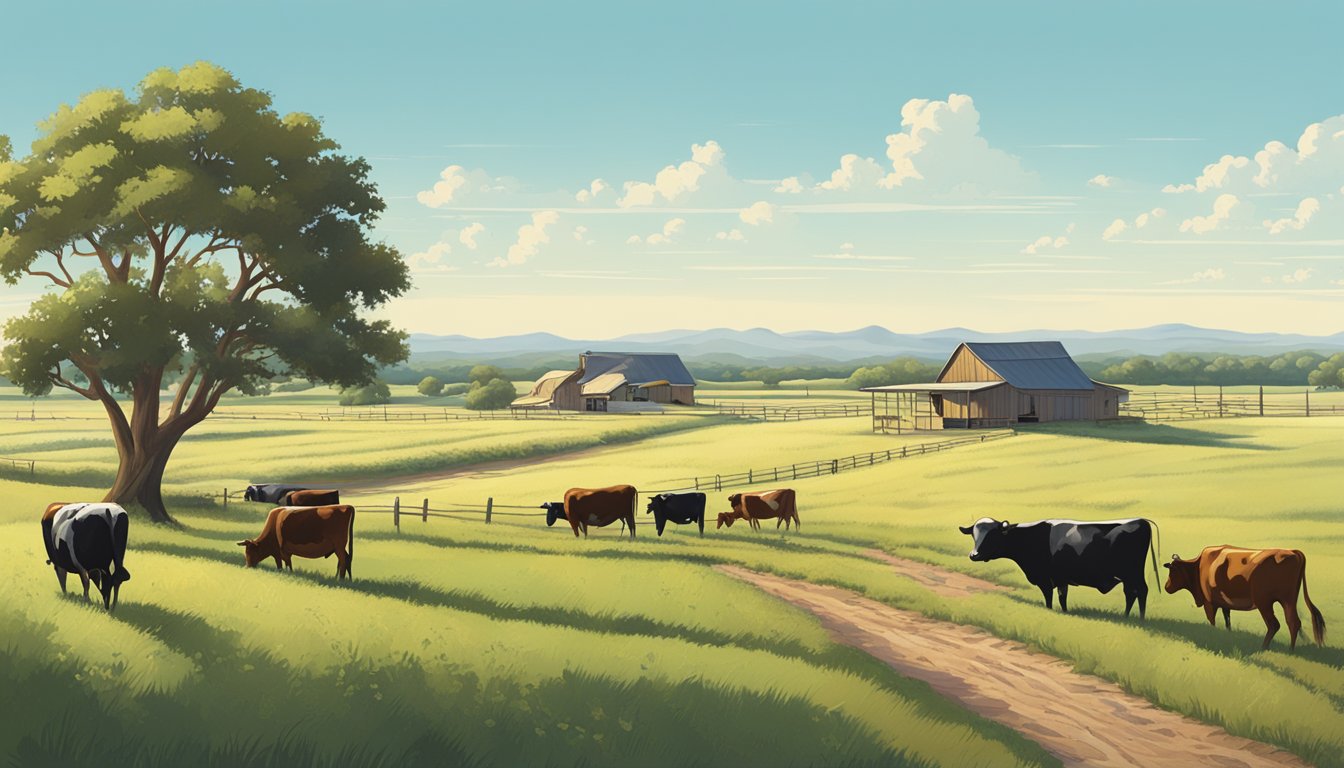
(1081,719)
(939,581)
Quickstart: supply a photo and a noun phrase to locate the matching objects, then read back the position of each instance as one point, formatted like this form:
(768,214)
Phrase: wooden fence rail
(29,464)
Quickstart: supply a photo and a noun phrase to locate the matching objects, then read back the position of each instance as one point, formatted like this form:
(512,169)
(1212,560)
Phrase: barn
(613,381)
(996,385)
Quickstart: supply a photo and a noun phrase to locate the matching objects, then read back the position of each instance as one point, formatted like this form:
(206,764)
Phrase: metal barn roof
(637,369)
(1032,364)
(934,386)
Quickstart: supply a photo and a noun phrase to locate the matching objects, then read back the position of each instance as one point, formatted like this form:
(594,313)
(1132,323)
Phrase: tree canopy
(189,233)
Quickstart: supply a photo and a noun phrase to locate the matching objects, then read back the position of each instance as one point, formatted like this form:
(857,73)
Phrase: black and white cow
(1058,554)
(679,508)
(270,493)
(90,540)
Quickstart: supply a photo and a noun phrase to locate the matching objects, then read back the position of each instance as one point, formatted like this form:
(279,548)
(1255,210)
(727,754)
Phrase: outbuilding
(612,381)
(988,384)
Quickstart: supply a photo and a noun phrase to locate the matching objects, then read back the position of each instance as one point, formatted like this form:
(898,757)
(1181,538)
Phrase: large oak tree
(194,241)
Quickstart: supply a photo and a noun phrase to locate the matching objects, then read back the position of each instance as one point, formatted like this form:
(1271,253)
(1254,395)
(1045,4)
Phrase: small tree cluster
(1330,373)
(490,389)
(430,386)
(376,393)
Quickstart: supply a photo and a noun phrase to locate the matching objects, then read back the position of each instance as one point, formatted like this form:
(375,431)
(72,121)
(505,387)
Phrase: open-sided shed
(995,385)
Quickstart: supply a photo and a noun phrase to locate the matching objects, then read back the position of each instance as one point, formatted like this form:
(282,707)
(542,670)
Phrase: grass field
(515,643)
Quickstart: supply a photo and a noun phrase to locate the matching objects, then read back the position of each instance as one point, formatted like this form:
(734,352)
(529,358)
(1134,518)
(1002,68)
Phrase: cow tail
(120,528)
(634,510)
(793,508)
(350,543)
(1317,620)
(1154,548)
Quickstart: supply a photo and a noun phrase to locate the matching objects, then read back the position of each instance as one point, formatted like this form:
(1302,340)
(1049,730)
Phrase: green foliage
(456,389)
(491,396)
(293,385)
(484,374)
(1224,370)
(6,149)
(375,393)
(430,387)
(1330,372)
(902,370)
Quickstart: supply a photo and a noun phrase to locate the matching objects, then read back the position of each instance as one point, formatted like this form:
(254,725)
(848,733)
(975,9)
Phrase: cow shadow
(1152,434)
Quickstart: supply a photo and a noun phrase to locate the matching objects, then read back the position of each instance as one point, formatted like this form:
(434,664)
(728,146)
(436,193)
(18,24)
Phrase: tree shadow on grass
(1152,434)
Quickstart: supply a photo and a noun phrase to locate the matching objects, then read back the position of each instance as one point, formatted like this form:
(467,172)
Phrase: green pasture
(516,643)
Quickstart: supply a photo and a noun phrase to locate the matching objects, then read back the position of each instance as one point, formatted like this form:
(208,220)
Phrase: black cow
(555,510)
(90,540)
(270,493)
(679,508)
(1058,554)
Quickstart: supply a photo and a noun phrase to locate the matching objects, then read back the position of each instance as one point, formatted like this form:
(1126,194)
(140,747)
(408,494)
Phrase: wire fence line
(794,412)
(20,464)
(1179,406)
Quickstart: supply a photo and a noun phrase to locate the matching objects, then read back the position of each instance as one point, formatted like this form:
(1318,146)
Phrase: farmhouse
(610,381)
(994,385)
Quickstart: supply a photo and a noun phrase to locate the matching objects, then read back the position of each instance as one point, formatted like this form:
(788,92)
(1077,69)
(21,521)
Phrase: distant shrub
(456,389)
(430,387)
(496,394)
(484,374)
(376,393)
(293,385)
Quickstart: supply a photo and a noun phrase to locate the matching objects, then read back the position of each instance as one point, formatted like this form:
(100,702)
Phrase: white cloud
(789,186)
(581,235)
(430,259)
(1215,176)
(942,149)
(1222,210)
(733,234)
(457,185)
(846,246)
(1211,275)
(1313,168)
(1305,210)
(854,173)
(1101,180)
(757,213)
(1298,276)
(1142,220)
(1115,228)
(1047,241)
(676,181)
(663,237)
(594,190)
(530,239)
(468,235)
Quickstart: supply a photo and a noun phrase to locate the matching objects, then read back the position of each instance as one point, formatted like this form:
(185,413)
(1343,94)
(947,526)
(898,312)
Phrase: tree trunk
(140,477)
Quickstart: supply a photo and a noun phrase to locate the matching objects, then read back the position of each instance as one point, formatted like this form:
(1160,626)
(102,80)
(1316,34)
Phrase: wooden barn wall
(660,394)
(965,366)
(684,395)
(567,396)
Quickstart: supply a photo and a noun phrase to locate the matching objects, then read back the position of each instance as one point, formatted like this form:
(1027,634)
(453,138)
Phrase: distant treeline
(1288,369)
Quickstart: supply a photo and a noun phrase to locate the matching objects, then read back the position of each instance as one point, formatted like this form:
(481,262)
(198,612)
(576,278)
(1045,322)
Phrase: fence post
(750,477)
(424,512)
(1306,394)
(396,513)
(718,483)
(489,509)
(226,498)
(776,474)
(1262,399)
(835,466)
(903,451)
(697,483)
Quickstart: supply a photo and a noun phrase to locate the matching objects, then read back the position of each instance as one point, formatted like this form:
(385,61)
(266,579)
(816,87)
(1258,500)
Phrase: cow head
(1183,574)
(555,510)
(250,494)
(735,500)
(251,552)
(106,582)
(655,504)
(726,518)
(988,538)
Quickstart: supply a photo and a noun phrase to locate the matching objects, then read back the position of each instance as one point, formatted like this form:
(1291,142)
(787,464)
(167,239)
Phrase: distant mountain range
(765,347)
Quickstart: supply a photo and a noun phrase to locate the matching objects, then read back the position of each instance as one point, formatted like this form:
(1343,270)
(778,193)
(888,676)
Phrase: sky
(599,169)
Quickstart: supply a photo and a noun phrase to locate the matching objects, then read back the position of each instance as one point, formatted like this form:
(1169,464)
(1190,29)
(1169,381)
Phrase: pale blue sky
(535,101)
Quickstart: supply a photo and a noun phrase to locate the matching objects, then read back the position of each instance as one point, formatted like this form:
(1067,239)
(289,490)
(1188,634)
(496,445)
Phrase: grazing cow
(781,504)
(307,532)
(88,539)
(595,506)
(1236,579)
(270,493)
(1058,554)
(311,498)
(679,508)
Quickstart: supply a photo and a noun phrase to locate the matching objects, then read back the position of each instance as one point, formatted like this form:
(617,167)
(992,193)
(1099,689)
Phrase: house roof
(1030,364)
(544,390)
(639,369)
(604,384)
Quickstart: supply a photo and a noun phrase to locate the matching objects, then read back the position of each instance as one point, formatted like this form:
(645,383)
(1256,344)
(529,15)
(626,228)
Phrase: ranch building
(608,381)
(996,385)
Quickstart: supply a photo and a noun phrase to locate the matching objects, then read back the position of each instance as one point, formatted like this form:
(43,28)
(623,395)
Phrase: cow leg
(279,564)
(1271,623)
(1294,622)
(702,525)
(632,526)
(1063,597)
(116,593)
(1049,593)
(61,573)
(342,564)
(1227,618)
(84,577)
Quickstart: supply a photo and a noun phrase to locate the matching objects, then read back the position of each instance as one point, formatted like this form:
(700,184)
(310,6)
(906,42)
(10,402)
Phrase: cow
(679,508)
(270,493)
(583,507)
(307,498)
(1236,579)
(88,539)
(781,504)
(307,532)
(1058,554)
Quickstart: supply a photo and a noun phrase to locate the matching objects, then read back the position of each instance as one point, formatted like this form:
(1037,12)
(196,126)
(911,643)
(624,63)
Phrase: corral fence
(394,414)
(794,412)
(19,464)
(1214,404)
(490,510)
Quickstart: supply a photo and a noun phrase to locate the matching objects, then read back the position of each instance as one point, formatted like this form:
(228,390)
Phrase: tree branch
(48,275)
(183,388)
(104,258)
(58,380)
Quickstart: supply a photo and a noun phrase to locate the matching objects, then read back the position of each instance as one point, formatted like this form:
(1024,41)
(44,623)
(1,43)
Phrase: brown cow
(781,504)
(307,532)
(312,498)
(597,506)
(1237,579)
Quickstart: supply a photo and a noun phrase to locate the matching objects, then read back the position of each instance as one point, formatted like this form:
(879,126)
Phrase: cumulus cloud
(1215,176)
(468,235)
(457,185)
(1305,210)
(1044,242)
(1115,228)
(1222,210)
(1312,168)
(530,239)
(1142,219)
(1298,276)
(431,259)
(581,235)
(594,190)
(854,173)
(1118,226)
(1213,274)
(941,147)
(676,181)
(789,186)
(758,213)
(733,234)
(1100,180)
(664,237)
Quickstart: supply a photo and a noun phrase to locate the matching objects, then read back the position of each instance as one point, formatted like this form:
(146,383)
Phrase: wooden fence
(1214,404)
(795,412)
(20,464)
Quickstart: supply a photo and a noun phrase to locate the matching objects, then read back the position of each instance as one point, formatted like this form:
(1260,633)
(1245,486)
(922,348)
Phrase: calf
(1236,579)
(307,532)
(88,539)
(679,508)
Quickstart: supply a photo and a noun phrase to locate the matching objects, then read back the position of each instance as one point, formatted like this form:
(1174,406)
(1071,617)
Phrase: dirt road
(1083,720)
